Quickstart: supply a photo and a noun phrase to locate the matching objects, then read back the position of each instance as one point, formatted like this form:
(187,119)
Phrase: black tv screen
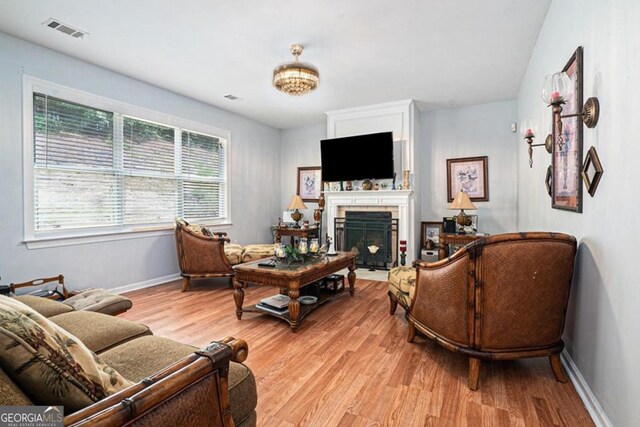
(357,157)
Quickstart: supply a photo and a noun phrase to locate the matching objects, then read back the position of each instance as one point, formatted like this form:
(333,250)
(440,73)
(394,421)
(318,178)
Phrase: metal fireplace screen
(364,229)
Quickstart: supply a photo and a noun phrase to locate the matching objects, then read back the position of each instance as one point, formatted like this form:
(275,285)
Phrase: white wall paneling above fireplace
(402,200)
(402,119)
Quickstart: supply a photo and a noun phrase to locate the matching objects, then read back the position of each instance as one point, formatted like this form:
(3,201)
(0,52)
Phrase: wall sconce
(555,90)
(529,129)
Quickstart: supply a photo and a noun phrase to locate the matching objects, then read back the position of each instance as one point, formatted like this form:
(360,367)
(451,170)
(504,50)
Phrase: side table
(447,239)
(278,232)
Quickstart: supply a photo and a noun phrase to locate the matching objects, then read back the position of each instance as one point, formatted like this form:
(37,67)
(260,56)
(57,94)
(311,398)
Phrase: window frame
(41,239)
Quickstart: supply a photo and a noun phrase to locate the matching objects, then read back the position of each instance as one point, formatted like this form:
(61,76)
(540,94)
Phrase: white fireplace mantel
(403,200)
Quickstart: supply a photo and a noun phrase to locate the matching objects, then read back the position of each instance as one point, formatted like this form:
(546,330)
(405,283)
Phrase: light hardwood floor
(350,365)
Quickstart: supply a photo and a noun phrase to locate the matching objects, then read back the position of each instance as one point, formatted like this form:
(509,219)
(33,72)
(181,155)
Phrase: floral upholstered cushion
(255,252)
(402,283)
(50,365)
(403,278)
(233,251)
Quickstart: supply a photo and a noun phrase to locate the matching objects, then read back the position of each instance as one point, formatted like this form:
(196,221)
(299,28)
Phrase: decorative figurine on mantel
(367,185)
(393,185)
(349,186)
(406,183)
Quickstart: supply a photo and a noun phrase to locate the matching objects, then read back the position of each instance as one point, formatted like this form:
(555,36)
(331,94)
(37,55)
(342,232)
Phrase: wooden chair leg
(185,284)
(474,373)
(556,367)
(393,305)
(231,282)
(412,330)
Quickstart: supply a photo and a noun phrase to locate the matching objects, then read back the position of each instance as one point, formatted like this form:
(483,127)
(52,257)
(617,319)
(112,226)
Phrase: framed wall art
(309,183)
(430,234)
(470,174)
(566,193)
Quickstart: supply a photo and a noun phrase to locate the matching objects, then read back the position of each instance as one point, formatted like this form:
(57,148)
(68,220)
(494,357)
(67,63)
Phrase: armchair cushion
(105,331)
(256,252)
(99,300)
(402,284)
(50,364)
(44,306)
(233,252)
(145,356)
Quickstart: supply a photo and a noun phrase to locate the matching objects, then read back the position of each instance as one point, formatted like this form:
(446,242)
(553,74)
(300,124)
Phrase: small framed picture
(469,174)
(430,234)
(309,183)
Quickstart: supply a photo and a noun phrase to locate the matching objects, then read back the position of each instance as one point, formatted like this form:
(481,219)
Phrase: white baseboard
(598,415)
(145,284)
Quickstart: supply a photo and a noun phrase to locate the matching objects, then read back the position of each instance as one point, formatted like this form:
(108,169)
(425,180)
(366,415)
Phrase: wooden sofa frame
(163,395)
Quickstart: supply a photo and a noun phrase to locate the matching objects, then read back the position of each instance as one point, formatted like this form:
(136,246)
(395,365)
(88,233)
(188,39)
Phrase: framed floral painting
(470,174)
(309,183)
(566,191)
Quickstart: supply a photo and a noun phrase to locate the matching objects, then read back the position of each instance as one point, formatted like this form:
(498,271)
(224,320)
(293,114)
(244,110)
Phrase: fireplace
(361,230)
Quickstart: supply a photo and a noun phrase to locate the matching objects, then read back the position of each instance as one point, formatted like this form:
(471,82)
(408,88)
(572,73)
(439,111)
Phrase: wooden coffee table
(289,280)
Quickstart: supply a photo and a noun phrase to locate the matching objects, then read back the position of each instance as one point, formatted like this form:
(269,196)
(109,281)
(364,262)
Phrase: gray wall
(255,160)
(299,147)
(479,130)
(603,322)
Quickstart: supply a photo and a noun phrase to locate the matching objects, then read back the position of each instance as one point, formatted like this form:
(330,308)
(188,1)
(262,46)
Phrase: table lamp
(462,202)
(295,204)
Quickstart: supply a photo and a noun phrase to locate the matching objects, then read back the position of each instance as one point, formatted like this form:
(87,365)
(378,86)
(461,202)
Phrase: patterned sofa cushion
(402,283)
(52,366)
(233,252)
(255,252)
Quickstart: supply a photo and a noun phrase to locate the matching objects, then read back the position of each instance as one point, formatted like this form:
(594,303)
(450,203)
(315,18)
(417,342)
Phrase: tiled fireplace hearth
(399,202)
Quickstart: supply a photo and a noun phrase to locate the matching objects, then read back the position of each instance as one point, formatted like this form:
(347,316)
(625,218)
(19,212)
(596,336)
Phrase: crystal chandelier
(296,78)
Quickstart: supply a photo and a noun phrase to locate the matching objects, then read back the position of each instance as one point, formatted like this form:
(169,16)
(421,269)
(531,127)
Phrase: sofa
(170,383)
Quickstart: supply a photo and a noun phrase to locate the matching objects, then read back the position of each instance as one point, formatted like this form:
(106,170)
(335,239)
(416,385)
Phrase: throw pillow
(50,365)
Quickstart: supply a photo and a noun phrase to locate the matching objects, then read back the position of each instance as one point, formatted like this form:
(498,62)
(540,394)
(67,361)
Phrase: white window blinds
(95,168)
(203,170)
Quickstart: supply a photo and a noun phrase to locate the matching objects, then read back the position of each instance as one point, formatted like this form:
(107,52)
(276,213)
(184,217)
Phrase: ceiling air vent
(64,28)
(233,97)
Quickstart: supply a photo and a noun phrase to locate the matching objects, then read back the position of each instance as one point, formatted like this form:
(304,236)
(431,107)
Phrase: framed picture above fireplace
(470,174)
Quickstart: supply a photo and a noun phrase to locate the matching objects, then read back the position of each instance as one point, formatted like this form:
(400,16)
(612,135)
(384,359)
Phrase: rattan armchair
(501,297)
(200,256)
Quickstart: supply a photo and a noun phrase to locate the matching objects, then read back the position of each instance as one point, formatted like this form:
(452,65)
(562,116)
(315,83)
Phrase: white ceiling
(439,52)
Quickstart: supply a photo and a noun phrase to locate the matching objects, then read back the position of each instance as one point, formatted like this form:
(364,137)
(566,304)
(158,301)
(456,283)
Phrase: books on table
(277,304)
(276,301)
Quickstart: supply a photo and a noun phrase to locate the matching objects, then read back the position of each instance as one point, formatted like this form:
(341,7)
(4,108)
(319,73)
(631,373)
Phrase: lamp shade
(557,87)
(296,203)
(462,201)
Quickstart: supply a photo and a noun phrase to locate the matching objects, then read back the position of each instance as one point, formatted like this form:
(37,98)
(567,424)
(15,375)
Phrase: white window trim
(36,240)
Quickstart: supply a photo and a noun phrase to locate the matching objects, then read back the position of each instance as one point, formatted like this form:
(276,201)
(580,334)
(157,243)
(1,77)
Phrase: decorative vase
(376,186)
(367,185)
(317,216)
(406,183)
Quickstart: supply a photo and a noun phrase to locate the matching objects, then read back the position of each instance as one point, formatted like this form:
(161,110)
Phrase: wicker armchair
(200,256)
(501,297)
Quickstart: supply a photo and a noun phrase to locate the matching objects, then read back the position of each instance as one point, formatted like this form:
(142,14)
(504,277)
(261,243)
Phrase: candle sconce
(529,129)
(556,89)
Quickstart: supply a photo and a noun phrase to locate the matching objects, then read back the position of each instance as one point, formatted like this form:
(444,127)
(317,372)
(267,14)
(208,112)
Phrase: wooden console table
(289,280)
(278,232)
(447,239)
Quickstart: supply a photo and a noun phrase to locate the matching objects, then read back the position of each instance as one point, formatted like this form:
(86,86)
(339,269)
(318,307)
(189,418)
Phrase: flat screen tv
(357,157)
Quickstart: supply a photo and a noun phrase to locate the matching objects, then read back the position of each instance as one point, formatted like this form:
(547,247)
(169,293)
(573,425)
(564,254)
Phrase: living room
(452,85)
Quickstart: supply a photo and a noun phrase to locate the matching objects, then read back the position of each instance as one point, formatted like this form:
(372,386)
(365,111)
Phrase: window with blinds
(95,168)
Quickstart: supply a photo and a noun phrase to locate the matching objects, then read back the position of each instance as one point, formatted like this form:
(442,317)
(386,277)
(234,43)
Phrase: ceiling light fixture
(296,78)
